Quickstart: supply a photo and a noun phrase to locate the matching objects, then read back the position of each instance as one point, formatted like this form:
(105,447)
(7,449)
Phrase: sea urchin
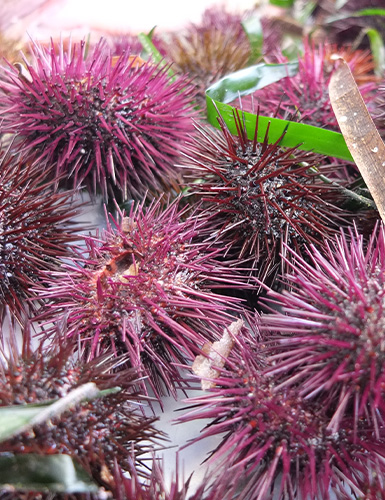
(145,289)
(256,194)
(328,332)
(36,231)
(103,121)
(97,432)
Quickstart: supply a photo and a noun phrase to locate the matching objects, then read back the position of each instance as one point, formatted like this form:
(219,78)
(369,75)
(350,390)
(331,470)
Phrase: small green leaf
(144,54)
(254,32)
(152,51)
(13,418)
(87,47)
(358,13)
(378,51)
(150,34)
(293,46)
(369,12)
(19,418)
(306,11)
(44,473)
(282,3)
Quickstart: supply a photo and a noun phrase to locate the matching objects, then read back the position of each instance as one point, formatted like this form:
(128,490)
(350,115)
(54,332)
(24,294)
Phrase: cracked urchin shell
(97,432)
(256,195)
(328,334)
(104,122)
(146,288)
(274,444)
(36,231)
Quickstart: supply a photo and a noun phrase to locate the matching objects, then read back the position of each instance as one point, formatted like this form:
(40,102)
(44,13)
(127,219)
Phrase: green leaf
(243,82)
(254,32)
(306,11)
(19,418)
(150,34)
(305,137)
(248,80)
(369,12)
(282,3)
(44,473)
(13,418)
(358,13)
(87,47)
(144,54)
(293,46)
(378,50)
(151,50)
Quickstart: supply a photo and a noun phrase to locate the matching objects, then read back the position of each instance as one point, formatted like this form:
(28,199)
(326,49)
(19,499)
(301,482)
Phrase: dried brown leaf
(360,133)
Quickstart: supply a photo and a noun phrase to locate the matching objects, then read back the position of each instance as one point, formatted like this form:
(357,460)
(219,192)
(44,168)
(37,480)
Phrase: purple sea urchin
(258,194)
(360,62)
(207,51)
(276,444)
(328,334)
(145,289)
(104,122)
(97,432)
(36,231)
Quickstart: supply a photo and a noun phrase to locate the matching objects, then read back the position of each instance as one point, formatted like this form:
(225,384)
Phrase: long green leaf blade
(152,51)
(243,82)
(358,13)
(254,32)
(19,418)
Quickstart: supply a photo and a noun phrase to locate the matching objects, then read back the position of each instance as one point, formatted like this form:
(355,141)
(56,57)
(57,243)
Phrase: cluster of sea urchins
(296,389)
(274,441)
(104,429)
